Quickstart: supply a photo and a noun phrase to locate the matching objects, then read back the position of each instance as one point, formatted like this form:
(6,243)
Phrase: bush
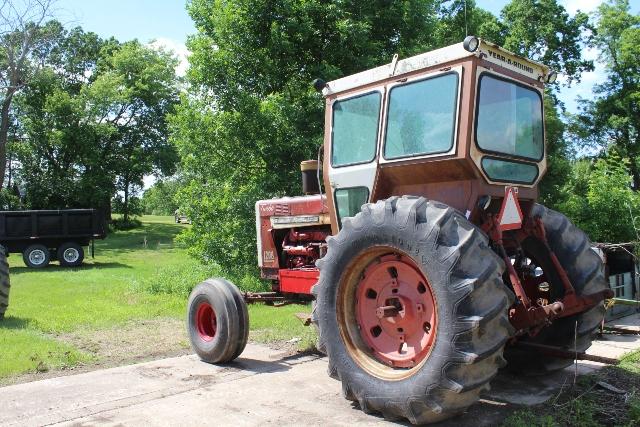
(9,200)
(180,279)
(122,225)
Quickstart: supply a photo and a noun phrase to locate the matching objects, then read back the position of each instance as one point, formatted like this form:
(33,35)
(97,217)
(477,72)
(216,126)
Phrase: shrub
(122,225)
(181,278)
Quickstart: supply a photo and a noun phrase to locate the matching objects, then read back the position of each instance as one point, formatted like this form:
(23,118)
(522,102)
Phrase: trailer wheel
(70,254)
(586,273)
(412,310)
(4,284)
(217,321)
(36,256)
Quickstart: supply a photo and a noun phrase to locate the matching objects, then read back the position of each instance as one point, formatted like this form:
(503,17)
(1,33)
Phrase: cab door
(356,121)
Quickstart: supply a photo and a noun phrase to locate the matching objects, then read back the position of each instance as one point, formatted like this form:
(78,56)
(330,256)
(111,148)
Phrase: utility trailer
(42,236)
(429,259)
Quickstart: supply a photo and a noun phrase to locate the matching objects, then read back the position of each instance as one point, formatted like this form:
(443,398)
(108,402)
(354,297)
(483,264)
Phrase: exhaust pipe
(310,184)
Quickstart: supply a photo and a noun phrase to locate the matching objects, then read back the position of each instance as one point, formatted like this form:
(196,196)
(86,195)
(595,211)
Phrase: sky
(167,22)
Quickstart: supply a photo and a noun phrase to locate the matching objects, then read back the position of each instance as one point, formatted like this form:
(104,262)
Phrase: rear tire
(585,270)
(4,284)
(217,321)
(36,256)
(471,325)
(70,254)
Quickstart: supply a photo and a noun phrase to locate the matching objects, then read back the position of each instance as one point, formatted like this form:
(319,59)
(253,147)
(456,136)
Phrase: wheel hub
(396,311)
(37,257)
(206,322)
(71,255)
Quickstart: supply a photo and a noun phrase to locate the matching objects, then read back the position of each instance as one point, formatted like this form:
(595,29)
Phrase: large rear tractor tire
(4,283)
(412,310)
(585,270)
(217,321)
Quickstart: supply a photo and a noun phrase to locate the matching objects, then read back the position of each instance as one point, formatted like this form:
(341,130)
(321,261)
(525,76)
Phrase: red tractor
(429,260)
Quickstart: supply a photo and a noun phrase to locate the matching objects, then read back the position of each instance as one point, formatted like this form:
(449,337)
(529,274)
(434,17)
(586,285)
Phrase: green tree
(161,198)
(543,31)
(613,117)
(250,115)
(558,153)
(94,122)
(601,200)
(24,36)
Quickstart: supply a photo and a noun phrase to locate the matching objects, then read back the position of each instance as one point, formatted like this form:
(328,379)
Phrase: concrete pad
(261,387)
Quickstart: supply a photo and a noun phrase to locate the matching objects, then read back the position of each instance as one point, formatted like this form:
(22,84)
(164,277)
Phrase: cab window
(355,129)
(509,119)
(349,201)
(422,116)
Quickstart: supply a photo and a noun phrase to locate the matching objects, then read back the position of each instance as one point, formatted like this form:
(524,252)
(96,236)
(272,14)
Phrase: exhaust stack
(310,184)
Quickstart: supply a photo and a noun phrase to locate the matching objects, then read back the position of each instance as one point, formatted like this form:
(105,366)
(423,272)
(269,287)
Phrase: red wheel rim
(396,311)
(206,323)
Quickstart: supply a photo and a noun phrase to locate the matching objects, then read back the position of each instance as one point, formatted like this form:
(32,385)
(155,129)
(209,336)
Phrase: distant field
(125,305)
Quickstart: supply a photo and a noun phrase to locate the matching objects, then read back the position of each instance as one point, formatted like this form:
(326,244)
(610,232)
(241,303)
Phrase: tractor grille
(282,209)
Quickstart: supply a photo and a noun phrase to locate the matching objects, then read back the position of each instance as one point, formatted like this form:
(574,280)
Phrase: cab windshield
(509,119)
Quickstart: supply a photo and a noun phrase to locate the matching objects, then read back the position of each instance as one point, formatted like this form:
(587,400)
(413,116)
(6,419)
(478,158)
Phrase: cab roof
(485,50)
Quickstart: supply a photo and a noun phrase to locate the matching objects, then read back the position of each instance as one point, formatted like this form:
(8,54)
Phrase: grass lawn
(61,317)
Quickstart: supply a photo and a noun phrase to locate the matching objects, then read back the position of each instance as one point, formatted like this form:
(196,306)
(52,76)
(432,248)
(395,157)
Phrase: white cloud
(179,49)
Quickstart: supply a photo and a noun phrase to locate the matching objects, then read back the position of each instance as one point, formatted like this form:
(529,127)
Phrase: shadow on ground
(22,269)
(149,236)
(11,322)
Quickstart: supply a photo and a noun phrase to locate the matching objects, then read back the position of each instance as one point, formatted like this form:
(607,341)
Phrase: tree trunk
(125,204)
(4,132)
(635,175)
(10,173)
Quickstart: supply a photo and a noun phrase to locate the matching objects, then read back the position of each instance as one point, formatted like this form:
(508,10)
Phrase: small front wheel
(217,321)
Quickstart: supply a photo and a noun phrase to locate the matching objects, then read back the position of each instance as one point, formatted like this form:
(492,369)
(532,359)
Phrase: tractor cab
(455,125)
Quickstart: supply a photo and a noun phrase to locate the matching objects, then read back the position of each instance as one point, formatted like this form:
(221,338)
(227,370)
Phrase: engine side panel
(291,236)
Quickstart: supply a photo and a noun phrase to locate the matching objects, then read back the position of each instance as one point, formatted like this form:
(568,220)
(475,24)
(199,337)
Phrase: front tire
(4,283)
(217,321)
(36,256)
(461,306)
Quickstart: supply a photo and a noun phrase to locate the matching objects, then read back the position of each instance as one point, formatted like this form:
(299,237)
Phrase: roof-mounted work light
(471,43)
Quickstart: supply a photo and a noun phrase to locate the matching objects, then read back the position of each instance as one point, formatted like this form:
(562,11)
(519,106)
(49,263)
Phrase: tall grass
(180,279)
